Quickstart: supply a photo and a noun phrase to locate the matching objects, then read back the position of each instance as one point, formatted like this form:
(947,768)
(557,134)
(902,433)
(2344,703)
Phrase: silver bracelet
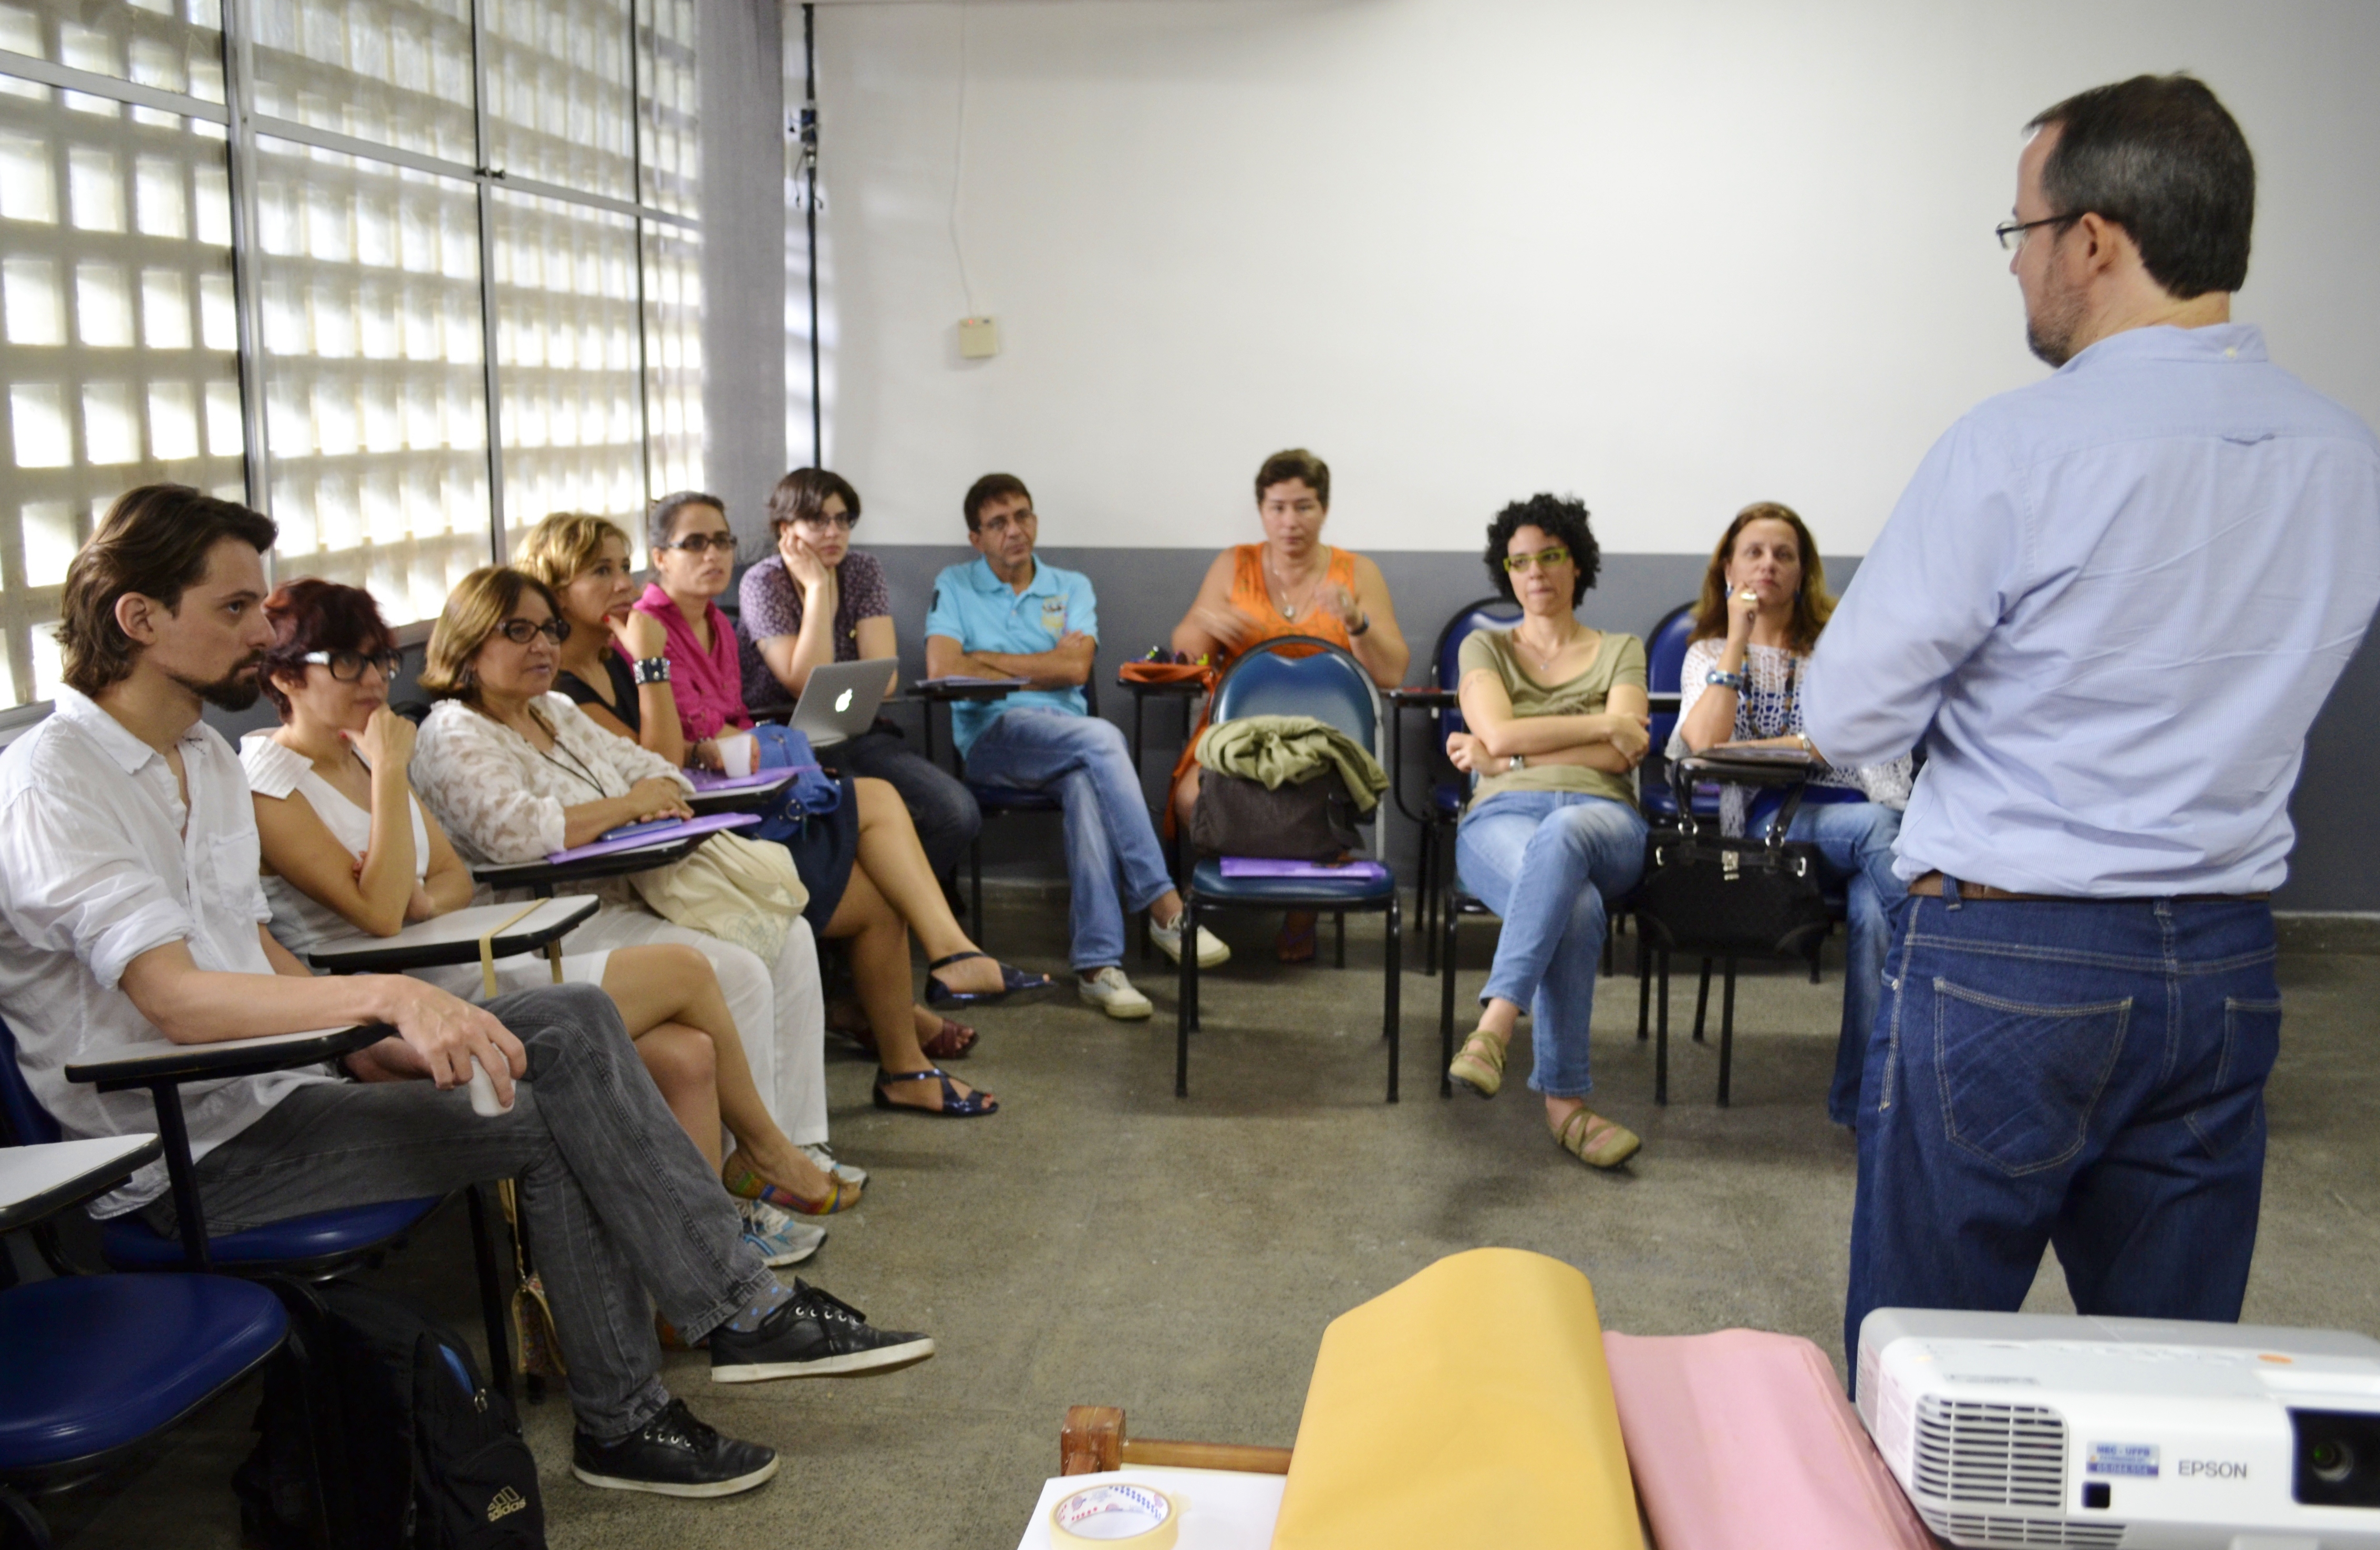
(653,669)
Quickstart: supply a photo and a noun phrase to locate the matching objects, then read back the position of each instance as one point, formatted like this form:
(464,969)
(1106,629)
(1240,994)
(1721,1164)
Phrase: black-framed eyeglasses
(2011,232)
(521,631)
(347,667)
(695,544)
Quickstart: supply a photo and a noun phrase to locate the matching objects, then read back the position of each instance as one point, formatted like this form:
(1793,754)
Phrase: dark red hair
(311,614)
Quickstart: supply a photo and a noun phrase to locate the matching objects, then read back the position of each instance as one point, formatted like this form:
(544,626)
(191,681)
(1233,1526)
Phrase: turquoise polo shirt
(982,612)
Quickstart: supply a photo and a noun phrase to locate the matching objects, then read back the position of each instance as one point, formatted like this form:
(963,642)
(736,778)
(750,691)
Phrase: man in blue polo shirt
(1007,615)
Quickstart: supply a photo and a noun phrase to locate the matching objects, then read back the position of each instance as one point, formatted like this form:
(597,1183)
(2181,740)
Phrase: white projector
(2122,1433)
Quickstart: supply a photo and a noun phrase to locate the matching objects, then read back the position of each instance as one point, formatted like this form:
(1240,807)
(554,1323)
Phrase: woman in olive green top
(1557,719)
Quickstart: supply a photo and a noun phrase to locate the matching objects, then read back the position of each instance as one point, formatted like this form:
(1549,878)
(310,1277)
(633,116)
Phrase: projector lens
(2338,1457)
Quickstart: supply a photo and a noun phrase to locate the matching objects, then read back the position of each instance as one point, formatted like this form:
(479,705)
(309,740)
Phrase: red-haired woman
(1764,601)
(349,851)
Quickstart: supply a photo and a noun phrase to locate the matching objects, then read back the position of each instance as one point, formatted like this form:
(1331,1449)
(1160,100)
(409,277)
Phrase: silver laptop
(840,700)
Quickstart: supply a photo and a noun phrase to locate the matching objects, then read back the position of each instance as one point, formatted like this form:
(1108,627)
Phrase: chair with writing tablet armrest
(315,1246)
(99,1365)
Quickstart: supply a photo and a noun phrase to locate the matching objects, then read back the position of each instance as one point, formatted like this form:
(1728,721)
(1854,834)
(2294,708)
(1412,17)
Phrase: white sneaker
(850,1173)
(1113,994)
(1168,939)
(783,1238)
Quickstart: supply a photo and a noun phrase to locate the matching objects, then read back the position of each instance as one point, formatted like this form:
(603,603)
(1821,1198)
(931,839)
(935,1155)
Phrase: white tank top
(301,922)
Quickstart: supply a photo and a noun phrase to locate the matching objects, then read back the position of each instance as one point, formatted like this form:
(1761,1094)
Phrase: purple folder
(1262,866)
(653,838)
(704,781)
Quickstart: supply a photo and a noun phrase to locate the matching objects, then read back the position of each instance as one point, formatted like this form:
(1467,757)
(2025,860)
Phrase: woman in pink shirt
(869,881)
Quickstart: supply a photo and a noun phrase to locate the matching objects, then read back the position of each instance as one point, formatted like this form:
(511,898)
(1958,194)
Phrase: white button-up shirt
(2111,604)
(100,861)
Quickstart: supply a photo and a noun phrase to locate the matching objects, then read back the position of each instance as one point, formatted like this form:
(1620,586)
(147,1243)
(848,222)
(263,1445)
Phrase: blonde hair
(566,544)
(481,601)
(1813,605)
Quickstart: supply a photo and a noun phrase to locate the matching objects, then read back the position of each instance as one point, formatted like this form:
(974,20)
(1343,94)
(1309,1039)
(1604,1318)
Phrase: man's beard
(2049,331)
(235,690)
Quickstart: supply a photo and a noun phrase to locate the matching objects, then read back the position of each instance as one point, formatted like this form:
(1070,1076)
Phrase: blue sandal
(972,1106)
(1013,983)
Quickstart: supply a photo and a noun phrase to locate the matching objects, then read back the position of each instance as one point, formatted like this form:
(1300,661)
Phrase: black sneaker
(813,1336)
(673,1455)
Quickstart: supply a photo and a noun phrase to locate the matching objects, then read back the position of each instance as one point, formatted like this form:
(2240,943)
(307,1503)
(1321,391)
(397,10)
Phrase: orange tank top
(1251,597)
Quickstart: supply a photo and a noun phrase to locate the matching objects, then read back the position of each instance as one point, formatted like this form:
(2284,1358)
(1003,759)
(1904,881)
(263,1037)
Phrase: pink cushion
(1743,1439)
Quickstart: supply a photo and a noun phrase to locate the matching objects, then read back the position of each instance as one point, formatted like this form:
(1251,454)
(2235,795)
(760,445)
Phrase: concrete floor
(1099,1242)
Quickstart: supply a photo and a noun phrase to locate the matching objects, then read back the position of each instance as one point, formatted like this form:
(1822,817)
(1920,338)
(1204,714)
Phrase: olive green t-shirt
(1620,661)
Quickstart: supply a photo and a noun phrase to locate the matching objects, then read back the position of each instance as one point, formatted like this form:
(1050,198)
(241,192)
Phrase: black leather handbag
(1710,895)
(1311,821)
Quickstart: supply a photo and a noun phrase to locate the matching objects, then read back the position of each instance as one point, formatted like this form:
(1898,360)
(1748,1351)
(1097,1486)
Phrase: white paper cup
(735,753)
(483,1093)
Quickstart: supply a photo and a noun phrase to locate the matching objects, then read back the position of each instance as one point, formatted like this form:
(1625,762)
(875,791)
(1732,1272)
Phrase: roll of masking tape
(1120,1513)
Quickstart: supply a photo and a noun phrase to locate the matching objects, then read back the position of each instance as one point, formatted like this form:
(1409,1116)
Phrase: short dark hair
(1295,464)
(311,614)
(154,541)
(801,495)
(1561,515)
(2160,157)
(990,488)
(661,522)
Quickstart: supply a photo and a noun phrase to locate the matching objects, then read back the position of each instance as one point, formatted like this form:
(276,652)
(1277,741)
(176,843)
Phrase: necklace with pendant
(1547,660)
(1288,610)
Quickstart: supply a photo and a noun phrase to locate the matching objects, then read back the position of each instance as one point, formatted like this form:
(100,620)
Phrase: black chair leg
(491,1294)
(1186,997)
(975,890)
(1702,1002)
(1644,988)
(1611,930)
(1661,1038)
(1446,1002)
(1727,1033)
(1422,921)
(1339,921)
(1394,994)
(1818,948)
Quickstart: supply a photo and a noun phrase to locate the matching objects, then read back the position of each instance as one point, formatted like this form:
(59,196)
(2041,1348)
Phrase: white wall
(1672,258)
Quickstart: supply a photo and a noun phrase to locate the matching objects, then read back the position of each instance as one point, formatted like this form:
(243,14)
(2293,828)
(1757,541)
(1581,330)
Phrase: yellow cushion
(1468,1406)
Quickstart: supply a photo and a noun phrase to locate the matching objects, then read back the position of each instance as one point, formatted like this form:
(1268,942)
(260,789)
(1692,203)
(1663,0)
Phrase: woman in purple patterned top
(819,600)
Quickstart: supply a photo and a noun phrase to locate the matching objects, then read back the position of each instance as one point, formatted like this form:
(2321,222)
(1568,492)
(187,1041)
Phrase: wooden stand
(1093,1441)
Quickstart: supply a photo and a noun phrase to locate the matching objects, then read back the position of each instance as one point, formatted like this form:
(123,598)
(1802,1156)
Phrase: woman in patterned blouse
(1764,601)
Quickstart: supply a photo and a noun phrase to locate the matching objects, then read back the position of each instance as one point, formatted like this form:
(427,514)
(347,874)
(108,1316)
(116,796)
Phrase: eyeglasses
(843,520)
(521,631)
(1545,558)
(347,667)
(695,544)
(2011,232)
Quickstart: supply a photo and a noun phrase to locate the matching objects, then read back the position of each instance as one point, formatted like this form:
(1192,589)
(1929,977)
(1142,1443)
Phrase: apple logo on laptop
(843,702)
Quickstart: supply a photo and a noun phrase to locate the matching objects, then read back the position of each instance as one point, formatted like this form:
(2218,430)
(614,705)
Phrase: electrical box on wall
(978,338)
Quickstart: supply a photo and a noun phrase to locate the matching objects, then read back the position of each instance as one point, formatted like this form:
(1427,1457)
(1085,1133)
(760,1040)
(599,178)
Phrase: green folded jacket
(1278,751)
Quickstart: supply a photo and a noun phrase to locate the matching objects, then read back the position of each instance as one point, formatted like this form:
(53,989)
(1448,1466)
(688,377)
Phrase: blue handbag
(813,791)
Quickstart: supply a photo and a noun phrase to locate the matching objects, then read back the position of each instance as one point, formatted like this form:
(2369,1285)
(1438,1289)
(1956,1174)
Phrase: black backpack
(422,1454)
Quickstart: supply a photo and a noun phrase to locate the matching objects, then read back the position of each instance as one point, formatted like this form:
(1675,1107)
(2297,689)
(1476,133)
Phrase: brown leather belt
(1930,887)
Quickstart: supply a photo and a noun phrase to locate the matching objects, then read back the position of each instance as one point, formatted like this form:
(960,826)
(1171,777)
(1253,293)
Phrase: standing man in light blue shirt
(1008,615)
(2111,605)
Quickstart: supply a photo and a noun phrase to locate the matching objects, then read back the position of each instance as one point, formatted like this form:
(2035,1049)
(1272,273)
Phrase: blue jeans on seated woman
(1854,844)
(1548,861)
(2088,1074)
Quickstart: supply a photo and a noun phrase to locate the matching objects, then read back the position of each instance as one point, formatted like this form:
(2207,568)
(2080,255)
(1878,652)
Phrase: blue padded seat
(98,1361)
(128,1242)
(1213,887)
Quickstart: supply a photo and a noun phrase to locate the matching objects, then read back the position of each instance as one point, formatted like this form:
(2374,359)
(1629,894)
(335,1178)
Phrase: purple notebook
(706,781)
(655,837)
(1261,866)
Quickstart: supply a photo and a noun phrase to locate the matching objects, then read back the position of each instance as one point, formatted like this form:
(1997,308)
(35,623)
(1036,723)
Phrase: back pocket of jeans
(2020,1082)
(2234,1106)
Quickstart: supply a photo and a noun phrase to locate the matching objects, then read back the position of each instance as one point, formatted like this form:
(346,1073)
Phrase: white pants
(780,1009)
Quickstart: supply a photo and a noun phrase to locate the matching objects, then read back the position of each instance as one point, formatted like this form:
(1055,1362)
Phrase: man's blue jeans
(1084,762)
(1854,842)
(1546,861)
(2087,1075)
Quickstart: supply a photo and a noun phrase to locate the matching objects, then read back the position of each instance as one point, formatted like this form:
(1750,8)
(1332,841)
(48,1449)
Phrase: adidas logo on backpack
(505,1501)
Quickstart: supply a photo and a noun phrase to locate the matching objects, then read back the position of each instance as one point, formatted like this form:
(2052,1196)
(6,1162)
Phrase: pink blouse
(708,685)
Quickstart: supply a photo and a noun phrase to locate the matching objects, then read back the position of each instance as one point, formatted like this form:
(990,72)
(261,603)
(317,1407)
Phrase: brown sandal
(951,1042)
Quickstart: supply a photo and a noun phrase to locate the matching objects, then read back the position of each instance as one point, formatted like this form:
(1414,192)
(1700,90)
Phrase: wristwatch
(1361,628)
(1517,762)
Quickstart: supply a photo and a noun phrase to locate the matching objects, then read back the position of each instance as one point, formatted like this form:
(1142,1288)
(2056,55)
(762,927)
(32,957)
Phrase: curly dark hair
(1562,517)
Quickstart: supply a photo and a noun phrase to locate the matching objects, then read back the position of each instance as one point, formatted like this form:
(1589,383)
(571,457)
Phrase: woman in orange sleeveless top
(1292,584)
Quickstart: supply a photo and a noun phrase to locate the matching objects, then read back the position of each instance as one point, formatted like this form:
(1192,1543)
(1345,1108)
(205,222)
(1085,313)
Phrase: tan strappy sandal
(1595,1141)
(1480,1064)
